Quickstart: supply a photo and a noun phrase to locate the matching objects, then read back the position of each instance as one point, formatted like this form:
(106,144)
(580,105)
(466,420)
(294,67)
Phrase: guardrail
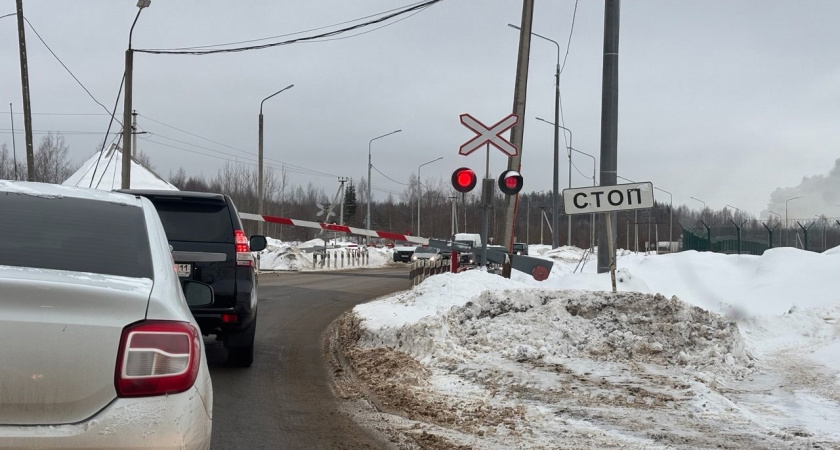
(424,268)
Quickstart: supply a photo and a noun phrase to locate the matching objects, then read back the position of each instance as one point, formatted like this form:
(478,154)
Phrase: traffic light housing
(464,179)
(510,182)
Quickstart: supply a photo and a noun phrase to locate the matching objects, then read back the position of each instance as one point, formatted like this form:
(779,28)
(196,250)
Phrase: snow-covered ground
(696,350)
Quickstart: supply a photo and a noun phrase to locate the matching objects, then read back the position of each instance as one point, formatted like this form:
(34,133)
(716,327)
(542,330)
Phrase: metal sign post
(606,199)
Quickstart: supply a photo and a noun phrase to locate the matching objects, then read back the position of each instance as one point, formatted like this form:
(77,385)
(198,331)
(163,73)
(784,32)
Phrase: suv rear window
(195,221)
(74,234)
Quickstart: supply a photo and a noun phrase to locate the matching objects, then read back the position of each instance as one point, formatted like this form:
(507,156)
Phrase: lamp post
(635,221)
(542,219)
(701,201)
(129,69)
(260,159)
(780,221)
(592,216)
(670,218)
(555,240)
(420,191)
(786,217)
(554,218)
(367,217)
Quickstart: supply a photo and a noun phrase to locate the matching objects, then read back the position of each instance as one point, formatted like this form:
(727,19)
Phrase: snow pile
(692,342)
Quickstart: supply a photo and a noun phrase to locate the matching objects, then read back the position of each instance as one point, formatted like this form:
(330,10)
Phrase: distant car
(520,248)
(210,245)
(403,253)
(430,253)
(99,347)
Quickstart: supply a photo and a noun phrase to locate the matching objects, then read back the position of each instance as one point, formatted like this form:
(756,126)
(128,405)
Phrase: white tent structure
(104,171)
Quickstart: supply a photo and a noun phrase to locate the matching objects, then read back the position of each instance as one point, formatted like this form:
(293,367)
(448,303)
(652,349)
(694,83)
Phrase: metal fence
(757,237)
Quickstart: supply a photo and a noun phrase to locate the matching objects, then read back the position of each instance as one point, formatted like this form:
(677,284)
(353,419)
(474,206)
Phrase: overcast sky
(726,101)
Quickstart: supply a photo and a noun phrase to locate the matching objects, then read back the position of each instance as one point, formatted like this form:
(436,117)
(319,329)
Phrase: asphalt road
(284,400)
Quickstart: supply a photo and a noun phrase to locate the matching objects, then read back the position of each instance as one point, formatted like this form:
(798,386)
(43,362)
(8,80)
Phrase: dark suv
(209,245)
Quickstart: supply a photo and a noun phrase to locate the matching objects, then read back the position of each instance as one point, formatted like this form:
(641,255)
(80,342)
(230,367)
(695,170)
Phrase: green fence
(726,240)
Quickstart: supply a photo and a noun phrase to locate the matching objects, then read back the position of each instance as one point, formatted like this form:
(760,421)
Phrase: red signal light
(464,179)
(510,182)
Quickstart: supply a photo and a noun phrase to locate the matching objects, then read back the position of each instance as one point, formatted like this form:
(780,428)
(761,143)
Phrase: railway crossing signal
(510,182)
(464,179)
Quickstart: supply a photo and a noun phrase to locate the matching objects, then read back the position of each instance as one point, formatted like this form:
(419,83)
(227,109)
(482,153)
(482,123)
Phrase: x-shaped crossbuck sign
(491,134)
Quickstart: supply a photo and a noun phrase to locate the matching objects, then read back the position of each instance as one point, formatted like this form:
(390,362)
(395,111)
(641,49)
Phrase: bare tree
(51,163)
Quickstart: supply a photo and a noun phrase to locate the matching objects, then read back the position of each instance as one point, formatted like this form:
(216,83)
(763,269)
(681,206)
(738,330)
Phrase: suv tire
(241,347)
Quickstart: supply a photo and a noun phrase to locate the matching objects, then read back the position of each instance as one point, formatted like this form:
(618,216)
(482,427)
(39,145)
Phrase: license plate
(184,270)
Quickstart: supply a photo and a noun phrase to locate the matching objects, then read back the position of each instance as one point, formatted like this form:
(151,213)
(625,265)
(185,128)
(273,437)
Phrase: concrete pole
(24,84)
(609,127)
(126,138)
(516,134)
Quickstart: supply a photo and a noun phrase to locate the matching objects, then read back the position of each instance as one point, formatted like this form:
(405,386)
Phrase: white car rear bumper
(177,421)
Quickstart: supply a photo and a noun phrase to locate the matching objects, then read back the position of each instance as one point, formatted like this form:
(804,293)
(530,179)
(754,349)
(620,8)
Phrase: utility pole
(14,147)
(609,128)
(517,132)
(24,85)
(342,180)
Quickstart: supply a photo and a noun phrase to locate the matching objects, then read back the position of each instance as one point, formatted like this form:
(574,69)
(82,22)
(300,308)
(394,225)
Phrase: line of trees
(437,203)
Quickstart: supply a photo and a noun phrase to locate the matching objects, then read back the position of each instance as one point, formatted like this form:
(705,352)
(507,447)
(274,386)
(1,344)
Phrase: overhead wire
(247,154)
(370,31)
(295,33)
(236,159)
(386,176)
(384,18)
(569,42)
(68,69)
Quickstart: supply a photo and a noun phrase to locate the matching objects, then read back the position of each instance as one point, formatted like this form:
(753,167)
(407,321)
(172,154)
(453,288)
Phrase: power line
(292,34)
(8,15)
(65,67)
(400,12)
(237,159)
(371,31)
(300,169)
(569,43)
(68,132)
(386,176)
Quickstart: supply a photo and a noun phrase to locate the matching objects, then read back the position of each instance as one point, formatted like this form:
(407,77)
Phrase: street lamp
(129,69)
(701,201)
(260,159)
(670,218)
(420,191)
(554,220)
(367,217)
(635,220)
(555,240)
(786,216)
(592,216)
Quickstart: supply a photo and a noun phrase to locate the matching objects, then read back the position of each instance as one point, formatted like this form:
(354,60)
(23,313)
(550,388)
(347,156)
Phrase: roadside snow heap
(475,360)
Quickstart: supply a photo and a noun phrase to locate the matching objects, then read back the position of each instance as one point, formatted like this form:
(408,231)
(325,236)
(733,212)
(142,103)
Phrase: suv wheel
(241,347)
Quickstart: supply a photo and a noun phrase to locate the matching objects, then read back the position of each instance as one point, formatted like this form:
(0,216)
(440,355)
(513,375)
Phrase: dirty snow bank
(749,361)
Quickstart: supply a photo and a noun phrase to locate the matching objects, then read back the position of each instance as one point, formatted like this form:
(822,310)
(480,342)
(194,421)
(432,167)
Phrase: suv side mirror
(197,293)
(257,243)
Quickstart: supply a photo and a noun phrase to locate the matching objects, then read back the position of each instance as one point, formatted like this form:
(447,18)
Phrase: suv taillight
(243,250)
(157,358)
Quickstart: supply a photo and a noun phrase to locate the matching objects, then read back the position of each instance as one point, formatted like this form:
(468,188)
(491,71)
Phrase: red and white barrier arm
(334,227)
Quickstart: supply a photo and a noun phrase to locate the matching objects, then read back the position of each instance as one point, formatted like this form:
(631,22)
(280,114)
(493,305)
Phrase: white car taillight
(157,358)
(243,249)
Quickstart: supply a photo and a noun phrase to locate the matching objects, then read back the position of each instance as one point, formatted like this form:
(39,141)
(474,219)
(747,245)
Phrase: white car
(99,348)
